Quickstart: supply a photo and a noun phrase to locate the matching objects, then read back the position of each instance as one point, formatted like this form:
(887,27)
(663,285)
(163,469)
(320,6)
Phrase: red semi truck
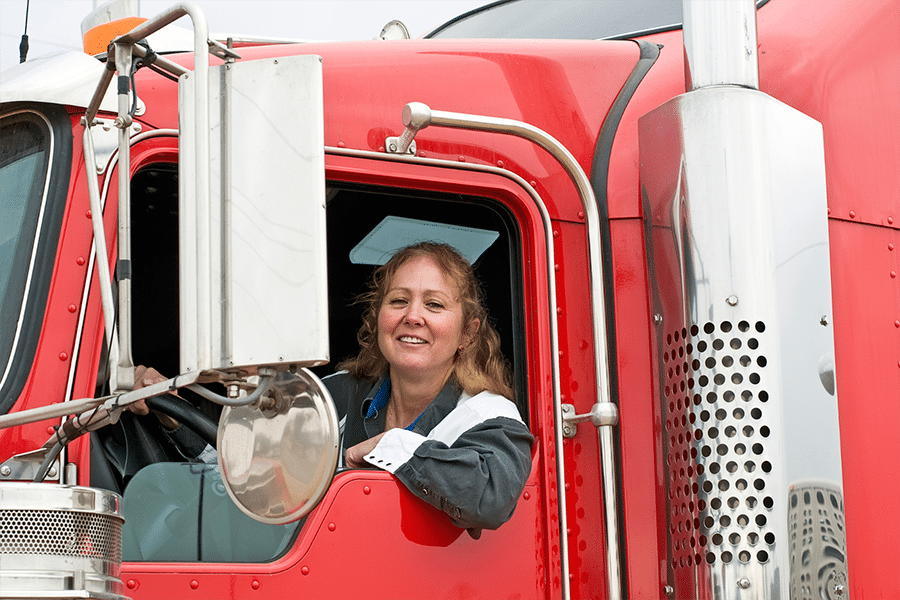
(689,240)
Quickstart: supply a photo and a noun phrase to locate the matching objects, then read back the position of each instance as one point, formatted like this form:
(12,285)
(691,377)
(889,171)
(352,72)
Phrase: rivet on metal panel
(462,159)
(52,472)
(893,273)
(732,300)
(72,308)
(657,318)
(87,213)
(131,584)
(367,490)
(852,214)
(332,527)
(63,356)
(669,590)
(890,246)
(5,471)
(194,584)
(304,570)
(80,261)
(500,163)
(743,583)
(254,584)
(839,589)
(890,220)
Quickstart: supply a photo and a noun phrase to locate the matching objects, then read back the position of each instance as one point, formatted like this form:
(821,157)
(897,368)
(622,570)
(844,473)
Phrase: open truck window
(179,511)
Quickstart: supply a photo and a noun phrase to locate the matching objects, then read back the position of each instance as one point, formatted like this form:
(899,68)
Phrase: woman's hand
(143,377)
(354,457)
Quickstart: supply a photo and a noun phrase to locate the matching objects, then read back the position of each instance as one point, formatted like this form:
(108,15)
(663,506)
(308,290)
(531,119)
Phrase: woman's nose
(413,314)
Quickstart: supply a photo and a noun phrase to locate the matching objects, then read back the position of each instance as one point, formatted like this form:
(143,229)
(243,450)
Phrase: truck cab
(691,268)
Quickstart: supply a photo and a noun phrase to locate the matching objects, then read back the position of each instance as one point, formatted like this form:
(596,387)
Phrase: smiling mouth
(412,340)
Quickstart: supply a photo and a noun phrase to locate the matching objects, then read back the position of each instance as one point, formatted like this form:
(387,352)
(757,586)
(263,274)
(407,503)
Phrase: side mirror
(277,458)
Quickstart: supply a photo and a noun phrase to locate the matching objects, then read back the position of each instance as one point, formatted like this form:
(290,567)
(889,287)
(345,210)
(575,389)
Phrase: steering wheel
(188,415)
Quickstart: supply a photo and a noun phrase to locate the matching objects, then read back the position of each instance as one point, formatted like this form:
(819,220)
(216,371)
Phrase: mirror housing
(252,247)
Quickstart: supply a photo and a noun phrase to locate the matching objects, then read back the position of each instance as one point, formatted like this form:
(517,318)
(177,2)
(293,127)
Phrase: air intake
(59,541)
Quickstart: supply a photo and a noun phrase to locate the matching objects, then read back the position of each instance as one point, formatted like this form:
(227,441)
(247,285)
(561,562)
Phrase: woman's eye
(435,305)
(397,301)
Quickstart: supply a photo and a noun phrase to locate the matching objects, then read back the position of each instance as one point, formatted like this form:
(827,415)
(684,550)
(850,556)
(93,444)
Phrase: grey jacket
(468,456)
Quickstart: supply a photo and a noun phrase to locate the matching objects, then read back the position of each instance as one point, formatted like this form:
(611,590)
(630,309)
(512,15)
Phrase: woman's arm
(473,466)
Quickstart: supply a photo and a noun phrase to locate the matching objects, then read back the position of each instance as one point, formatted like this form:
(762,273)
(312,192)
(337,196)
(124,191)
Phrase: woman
(426,397)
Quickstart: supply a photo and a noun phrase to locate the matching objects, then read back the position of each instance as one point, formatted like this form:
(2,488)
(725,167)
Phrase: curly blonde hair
(478,366)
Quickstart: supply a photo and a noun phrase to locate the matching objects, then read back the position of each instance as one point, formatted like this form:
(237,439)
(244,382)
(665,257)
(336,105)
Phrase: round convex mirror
(277,459)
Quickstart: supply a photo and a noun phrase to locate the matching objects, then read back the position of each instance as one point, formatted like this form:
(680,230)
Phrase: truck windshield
(564,19)
(24,158)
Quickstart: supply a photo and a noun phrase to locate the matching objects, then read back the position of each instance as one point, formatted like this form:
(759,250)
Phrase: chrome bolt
(51,472)
(393,147)
(669,590)
(5,471)
(234,390)
(731,300)
(657,318)
(743,583)
(839,589)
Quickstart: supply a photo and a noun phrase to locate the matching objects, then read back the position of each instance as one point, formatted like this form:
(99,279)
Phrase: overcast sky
(55,25)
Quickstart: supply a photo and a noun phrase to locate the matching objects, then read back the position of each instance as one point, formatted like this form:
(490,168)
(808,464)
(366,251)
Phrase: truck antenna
(23,45)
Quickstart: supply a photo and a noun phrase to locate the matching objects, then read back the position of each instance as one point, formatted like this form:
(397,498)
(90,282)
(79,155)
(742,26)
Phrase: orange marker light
(97,39)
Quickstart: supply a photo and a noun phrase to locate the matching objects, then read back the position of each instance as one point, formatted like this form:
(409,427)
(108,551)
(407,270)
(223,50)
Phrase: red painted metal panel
(372,538)
(865,265)
(366,85)
(640,421)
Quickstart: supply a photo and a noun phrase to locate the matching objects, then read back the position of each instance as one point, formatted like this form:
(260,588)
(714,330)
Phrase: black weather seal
(465,15)
(599,184)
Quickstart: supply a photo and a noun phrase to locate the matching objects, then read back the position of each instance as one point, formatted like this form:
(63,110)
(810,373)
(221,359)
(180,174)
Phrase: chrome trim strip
(554,329)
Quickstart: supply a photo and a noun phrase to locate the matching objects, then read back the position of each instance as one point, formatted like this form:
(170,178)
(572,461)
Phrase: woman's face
(420,322)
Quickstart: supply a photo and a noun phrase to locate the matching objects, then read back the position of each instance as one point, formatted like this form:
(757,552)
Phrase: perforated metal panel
(717,428)
(60,533)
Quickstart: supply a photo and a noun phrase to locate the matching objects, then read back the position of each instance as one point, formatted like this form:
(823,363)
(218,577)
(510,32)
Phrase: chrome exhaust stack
(733,185)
